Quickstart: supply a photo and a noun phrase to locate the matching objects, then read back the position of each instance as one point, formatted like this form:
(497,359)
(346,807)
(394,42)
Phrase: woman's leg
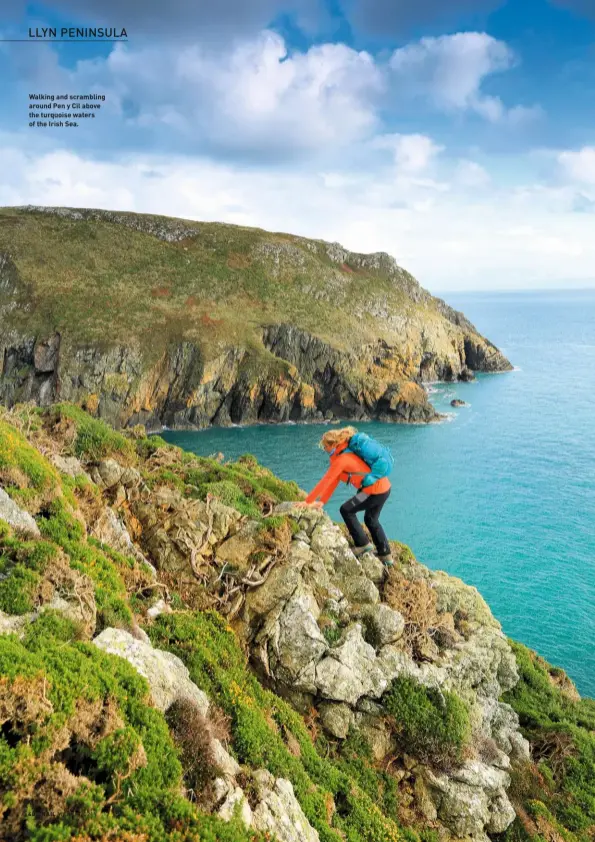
(371,519)
(349,511)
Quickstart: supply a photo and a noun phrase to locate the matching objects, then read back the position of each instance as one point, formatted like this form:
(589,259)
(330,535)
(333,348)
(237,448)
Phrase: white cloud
(579,165)
(445,234)
(471,174)
(254,99)
(413,153)
(449,71)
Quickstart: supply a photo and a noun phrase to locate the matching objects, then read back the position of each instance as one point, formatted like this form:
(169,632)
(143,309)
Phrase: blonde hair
(332,438)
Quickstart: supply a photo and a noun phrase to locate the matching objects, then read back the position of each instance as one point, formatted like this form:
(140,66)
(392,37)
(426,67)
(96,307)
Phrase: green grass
(560,790)
(94,438)
(429,724)
(94,279)
(133,770)
(26,476)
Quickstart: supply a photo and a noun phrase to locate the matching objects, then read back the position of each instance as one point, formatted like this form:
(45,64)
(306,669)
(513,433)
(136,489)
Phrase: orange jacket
(342,466)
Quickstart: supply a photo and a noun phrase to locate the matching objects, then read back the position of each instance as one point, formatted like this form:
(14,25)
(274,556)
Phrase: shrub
(231,495)
(55,694)
(429,724)
(192,734)
(24,473)
(94,439)
(561,729)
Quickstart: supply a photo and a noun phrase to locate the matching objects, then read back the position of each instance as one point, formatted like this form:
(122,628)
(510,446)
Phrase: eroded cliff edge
(153,320)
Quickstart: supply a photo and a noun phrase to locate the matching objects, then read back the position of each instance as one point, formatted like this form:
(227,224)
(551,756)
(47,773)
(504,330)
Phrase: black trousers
(372,505)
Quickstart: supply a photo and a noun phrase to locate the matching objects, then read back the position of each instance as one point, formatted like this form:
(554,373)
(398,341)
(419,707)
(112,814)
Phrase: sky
(457,136)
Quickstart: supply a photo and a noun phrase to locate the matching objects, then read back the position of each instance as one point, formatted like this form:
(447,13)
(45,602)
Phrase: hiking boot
(357,551)
(387,560)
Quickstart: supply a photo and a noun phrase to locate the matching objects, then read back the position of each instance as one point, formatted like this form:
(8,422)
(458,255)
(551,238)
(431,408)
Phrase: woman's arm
(327,485)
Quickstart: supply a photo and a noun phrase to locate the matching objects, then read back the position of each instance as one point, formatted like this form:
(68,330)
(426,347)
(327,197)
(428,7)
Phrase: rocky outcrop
(18,518)
(275,810)
(345,674)
(369,362)
(166,675)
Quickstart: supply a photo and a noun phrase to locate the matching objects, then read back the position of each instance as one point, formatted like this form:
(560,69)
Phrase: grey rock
(279,812)
(15,624)
(481,775)
(350,670)
(72,607)
(45,354)
(18,518)
(502,813)
(377,734)
(359,589)
(336,718)
(373,568)
(300,642)
(386,623)
(110,530)
(227,764)
(168,678)
(158,608)
(131,478)
(279,586)
(107,473)
(236,803)
(69,465)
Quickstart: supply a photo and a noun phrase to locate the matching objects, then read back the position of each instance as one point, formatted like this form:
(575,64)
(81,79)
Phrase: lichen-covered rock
(470,799)
(349,671)
(69,465)
(280,585)
(235,803)
(107,473)
(110,530)
(373,568)
(346,681)
(359,589)
(18,518)
(387,625)
(336,718)
(167,676)
(15,624)
(300,642)
(278,811)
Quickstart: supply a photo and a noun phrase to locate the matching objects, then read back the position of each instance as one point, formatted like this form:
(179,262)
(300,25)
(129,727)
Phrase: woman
(349,468)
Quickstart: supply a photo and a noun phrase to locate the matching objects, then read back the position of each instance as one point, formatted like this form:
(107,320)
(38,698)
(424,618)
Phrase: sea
(501,493)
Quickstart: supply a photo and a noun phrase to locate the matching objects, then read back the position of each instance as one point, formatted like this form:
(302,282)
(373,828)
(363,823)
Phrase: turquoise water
(503,494)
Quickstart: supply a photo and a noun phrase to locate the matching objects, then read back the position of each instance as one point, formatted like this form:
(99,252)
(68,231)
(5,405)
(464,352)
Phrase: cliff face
(159,321)
(185,654)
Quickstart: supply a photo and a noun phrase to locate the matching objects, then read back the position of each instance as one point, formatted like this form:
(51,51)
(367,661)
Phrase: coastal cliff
(159,321)
(187,655)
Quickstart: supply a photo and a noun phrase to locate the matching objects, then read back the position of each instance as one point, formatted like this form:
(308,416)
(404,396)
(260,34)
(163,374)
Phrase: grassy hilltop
(153,318)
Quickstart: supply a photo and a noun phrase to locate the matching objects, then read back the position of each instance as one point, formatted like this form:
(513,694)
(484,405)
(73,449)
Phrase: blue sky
(459,136)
